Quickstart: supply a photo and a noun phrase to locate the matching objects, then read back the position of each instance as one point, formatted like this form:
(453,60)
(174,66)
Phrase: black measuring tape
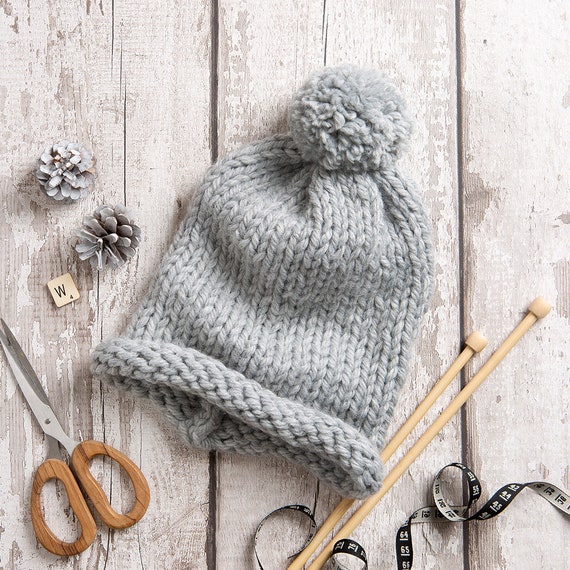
(298,508)
(442,511)
(342,547)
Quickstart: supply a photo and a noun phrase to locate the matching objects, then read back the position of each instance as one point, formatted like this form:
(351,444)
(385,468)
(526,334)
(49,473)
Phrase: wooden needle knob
(540,307)
(476,341)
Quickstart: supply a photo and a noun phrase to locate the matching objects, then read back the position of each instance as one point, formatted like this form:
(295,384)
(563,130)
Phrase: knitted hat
(282,316)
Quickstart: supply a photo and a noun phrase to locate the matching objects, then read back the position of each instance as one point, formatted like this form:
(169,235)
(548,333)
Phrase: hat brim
(219,408)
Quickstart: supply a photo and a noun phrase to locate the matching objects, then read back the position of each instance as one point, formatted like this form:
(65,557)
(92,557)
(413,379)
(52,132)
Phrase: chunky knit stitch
(282,317)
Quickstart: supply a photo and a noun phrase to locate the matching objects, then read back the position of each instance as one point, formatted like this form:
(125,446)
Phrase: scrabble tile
(63,290)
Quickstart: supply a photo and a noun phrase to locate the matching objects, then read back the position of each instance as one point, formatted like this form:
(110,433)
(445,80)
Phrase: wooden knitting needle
(475,342)
(538,309)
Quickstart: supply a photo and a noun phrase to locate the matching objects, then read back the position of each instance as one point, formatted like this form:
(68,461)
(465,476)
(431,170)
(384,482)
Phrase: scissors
(75,476)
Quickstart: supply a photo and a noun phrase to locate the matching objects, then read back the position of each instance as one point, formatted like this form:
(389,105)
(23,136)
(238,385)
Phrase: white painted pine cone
(65,171)
(108,237)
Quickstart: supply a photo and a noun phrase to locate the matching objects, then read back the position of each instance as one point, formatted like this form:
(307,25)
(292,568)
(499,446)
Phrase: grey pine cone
(108,237)
(65,171)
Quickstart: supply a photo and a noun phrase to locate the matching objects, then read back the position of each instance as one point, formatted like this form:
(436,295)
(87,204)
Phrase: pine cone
(65,171)
(108,237)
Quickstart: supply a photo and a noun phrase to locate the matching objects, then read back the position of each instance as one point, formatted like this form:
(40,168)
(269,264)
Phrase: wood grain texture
(157,89)
(58,469)
(266,49)
(515,182)
(81,463)
(122,79)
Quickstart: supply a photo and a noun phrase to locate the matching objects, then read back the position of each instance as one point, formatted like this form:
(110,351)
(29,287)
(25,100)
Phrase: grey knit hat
(282,316)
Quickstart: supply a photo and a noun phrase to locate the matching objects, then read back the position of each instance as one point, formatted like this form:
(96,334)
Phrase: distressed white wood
(102,76)
(265,56)
(414,42)
(515,168)
(133,81)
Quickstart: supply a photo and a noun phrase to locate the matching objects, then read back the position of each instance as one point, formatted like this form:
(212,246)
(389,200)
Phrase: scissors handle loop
(57,469)
(80,459)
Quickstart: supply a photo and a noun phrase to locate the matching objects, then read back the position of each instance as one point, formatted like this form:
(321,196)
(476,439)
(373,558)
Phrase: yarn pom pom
(351,118)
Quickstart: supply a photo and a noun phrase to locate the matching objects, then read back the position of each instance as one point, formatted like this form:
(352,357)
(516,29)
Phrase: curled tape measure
(302,509)
(442,511)
(342,548)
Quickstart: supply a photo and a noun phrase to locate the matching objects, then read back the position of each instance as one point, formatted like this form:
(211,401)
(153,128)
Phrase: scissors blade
(33,391)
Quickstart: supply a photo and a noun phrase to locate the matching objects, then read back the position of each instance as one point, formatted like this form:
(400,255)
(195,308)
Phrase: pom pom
(349,118)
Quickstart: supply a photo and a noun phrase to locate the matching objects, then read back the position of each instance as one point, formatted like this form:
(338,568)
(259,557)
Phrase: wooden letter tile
(63,290)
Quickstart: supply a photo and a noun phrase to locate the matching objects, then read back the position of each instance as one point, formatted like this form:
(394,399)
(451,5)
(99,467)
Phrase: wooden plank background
(158,90)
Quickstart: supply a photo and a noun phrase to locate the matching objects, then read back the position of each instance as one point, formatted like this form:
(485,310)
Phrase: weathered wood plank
(264,56)
(126,82)
(41,104)
(516,204)
(415,44)
(162,84)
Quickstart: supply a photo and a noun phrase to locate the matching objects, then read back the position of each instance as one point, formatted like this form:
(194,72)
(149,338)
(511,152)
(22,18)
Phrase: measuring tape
(298,508)
(342,547)
(442,511)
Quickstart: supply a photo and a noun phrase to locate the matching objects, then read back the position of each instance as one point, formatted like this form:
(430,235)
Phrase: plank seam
(459,70)
(211,531)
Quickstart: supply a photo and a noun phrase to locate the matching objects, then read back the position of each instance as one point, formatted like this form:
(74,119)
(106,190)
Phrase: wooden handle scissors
(75,474)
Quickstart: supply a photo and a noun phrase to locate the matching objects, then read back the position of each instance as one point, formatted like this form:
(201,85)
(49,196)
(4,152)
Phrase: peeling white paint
(513,106)
(22,228)
(37,342)
(23,295)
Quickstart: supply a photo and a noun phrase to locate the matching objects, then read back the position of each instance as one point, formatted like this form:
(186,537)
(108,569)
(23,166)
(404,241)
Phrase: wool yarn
(283,314)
